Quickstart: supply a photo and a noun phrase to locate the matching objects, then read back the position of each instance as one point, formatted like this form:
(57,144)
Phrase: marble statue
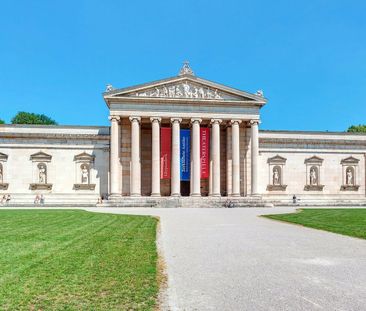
(84,174)
(259,93)
(42,174)
(172,91)
(186,69)
(313,177)
(187,90)
(276,177)
(178,92)
(109,88)
(349,177)
(182,90)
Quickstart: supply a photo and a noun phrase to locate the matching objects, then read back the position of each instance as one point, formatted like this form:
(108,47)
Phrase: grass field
(350,221)
(76,260)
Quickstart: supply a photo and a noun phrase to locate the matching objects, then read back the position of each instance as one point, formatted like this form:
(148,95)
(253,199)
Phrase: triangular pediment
(3,157)
(277,159)
(187,88)
(314,160)
(84,157)
(350,160)
(41,156)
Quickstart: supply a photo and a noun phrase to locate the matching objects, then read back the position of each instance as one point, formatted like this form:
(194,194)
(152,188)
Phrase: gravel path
(231,259)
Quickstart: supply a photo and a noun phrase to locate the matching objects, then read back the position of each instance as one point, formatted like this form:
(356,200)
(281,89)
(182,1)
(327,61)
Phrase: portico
(211,126)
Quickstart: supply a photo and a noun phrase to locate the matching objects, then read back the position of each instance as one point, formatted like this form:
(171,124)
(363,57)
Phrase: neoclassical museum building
(180,141)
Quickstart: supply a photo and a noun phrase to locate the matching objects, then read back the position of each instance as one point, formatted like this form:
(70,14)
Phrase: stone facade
(80,164)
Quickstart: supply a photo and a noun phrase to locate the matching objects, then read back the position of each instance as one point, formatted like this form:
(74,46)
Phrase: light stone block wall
(63,143)
(296,147)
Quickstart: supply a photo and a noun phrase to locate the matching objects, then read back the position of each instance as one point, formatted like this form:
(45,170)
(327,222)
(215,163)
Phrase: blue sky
(309,57)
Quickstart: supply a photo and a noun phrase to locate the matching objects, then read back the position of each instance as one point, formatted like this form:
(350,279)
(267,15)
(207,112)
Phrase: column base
(216,195)
(135,195)
(235,195)
(155,195)
(175,195)
(256,195)
(114,196)
(196,195)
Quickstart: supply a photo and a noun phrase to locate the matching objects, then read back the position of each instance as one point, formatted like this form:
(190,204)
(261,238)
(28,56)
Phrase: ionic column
(215,156)
(229,162)
(255,154)
(196,159)
(175,169)
(135,157)
(114,156)
(155,157)
(235,145)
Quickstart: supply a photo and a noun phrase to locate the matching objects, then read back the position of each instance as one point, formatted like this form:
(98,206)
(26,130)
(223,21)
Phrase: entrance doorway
(185,188)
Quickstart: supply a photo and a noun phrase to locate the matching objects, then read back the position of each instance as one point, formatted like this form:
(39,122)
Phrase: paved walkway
(231,259)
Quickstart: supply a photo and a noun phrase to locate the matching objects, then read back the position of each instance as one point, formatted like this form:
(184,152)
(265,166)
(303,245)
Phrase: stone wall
(331,151)
(63,151)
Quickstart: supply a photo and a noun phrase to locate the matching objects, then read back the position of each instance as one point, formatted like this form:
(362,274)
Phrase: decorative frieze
(184,89)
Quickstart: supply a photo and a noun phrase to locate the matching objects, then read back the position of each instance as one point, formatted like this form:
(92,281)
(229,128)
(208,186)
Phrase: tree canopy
(2,121)
(32,118)
(357,128)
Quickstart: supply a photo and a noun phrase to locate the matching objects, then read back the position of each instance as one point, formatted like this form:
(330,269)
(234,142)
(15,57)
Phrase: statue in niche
(42,174)
(84,174)
(313,176)
(276,176)
(349,177)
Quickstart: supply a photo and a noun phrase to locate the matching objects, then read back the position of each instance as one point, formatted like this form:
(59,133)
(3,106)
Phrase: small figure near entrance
(229,204)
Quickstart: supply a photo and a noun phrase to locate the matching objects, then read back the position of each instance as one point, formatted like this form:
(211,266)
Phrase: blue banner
(185,154)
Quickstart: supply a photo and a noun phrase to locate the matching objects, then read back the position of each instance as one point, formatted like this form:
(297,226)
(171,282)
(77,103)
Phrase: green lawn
(76,260)
(350,221)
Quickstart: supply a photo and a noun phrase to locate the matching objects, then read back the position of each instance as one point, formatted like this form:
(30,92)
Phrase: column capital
(155,119)
(174,120)
(216,121)
(114,118)
(193,120)
(135,119)
(235,121)
(254,122)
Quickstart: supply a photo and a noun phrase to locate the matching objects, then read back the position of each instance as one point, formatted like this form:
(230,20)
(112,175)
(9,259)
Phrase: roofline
(258,99)
(53,126)
(312,132)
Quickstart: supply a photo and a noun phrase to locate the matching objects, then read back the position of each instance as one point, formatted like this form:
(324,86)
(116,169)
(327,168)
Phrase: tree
(32,118)
(2,121)
(357,128)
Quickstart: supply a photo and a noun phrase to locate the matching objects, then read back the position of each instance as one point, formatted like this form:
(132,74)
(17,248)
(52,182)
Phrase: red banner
(205,152)
(165,152)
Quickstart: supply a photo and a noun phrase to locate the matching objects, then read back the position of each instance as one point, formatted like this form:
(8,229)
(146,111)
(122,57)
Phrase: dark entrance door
(185,188)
